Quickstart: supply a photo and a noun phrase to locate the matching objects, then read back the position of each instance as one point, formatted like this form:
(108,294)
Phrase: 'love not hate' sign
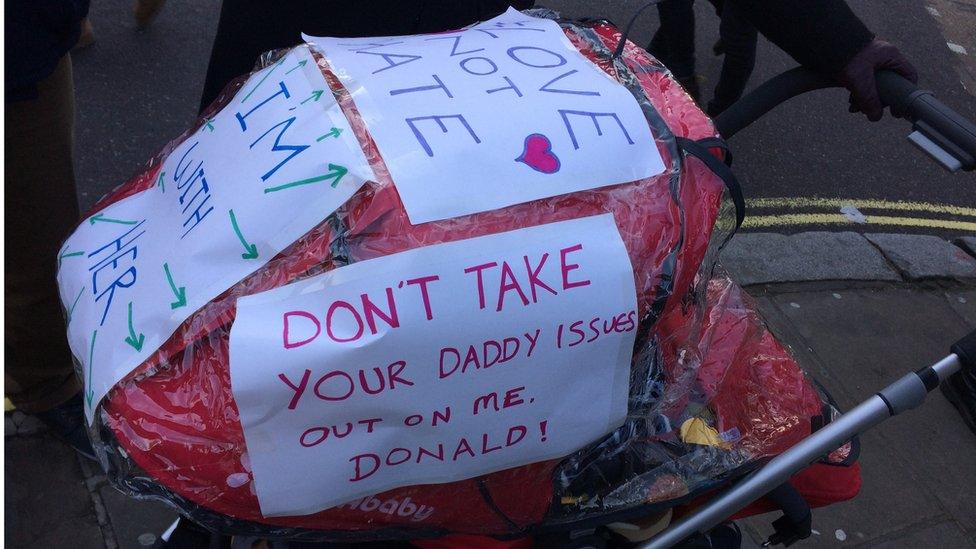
(270,166)
(504,112)
(435,364)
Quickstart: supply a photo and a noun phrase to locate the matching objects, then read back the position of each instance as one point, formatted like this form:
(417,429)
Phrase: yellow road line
(835,219)
(813,202)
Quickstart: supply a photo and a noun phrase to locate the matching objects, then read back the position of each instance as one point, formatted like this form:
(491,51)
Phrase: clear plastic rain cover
(399,287)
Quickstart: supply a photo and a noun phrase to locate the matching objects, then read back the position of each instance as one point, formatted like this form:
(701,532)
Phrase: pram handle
(905,394)
(767,96)
(942,133)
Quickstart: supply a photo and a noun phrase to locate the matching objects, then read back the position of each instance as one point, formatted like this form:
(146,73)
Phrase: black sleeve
(248,28)
(821,34)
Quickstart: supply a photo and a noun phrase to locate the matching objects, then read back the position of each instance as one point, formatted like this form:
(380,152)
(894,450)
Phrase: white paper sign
(264,171)
(435,364)
(505,112)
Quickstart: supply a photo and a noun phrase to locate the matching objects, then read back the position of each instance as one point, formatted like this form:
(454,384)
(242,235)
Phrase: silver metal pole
(946,367)
(901,395)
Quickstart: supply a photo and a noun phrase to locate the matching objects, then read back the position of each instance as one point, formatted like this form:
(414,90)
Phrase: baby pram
(171,428)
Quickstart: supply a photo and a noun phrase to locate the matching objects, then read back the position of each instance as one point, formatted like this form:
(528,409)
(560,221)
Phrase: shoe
(87,36)
(67,422)
(145,12)
(960,390)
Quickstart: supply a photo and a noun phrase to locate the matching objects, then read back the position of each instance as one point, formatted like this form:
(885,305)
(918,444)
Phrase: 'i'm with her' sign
(501,113)
(435,364)
(270,166)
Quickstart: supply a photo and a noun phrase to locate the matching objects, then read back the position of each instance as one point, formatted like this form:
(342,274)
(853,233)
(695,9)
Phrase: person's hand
(858,76)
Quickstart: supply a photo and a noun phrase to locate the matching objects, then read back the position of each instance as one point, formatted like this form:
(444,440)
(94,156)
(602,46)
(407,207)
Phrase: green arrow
(251,250)
(101,217)
(91,358)
(334,132)
(208,124)
(161,182)
(64,255)
(300,64)
(133,340)
(265,77)
(75,304)
(336,173)
(314,97)
(180,292)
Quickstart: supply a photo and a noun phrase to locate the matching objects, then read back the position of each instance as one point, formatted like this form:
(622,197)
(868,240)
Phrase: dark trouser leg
(739,43)
(248,28)
(41,210)
(674,42)
(658,48)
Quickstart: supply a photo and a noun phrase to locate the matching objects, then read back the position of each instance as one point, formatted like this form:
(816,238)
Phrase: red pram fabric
(172,425)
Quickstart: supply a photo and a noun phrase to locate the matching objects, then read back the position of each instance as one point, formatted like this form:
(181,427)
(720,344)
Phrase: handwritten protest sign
(505,112)
(434,364)
(268,168)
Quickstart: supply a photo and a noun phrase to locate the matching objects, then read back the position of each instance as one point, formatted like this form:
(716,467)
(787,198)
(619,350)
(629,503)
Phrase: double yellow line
(837,218)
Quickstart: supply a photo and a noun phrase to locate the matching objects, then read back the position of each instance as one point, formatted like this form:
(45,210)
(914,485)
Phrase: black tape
(929,378)
(701,152)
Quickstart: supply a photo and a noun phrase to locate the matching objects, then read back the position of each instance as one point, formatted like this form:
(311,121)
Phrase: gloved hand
(858,76)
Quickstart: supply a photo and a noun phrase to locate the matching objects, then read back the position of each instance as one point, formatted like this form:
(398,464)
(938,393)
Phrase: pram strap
(699,149)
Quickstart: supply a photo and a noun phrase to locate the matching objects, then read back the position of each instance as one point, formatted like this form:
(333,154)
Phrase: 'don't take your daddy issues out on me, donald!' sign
(435,364)
(269,167)
(504,112)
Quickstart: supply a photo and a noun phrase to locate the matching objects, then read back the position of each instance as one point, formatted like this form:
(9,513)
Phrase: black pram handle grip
(952,131)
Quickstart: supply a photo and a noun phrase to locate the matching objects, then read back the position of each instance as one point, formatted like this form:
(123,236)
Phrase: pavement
(858,311)
(860,302)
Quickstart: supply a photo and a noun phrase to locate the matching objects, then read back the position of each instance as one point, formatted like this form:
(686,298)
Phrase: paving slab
(45,498)
(876,513)
(964,303)
(764,258)
(920,257)
(943,534)
(967,243)
(137,523)
(867,339)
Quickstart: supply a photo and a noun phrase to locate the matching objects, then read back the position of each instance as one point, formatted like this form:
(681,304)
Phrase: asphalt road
(800,165)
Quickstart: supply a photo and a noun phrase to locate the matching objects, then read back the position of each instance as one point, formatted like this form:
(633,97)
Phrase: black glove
(858,76)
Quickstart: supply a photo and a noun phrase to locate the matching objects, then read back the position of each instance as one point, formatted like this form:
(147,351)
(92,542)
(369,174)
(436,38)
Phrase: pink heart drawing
(537,154)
